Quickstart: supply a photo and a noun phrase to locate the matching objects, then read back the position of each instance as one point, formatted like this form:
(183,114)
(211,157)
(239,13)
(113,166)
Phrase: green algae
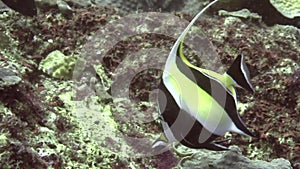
(74,146)
(58,65)
(286,66)
(288,8)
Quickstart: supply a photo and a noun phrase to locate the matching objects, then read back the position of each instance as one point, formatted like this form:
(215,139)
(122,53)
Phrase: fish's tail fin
(238,71)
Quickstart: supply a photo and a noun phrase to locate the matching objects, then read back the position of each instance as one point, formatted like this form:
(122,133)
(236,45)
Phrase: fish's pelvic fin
(160,142)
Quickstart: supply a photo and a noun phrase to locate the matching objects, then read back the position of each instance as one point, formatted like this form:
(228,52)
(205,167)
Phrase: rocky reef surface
(54,116)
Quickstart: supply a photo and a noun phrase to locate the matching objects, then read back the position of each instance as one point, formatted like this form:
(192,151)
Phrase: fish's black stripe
(235,117)
(186,129)
(167,105)
(236,73)
(215,90)
(194,75)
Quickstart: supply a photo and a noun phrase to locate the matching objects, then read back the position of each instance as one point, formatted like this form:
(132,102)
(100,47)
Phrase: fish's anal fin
(215,147)
(241,130)
(238,72)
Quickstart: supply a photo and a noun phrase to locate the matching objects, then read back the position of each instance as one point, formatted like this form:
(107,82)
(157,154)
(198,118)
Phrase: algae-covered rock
(134,5)
(230,160)
(5,41)
(298,104)
(288,8)
(83,3)
(42,4)
(64,7)
(58,65)
(8,77)
(243,13)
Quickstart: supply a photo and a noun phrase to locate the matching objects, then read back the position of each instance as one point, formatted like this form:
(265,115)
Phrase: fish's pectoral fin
(238,71)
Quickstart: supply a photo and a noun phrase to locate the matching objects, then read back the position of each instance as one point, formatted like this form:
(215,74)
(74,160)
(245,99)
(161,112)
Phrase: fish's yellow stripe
(225,79)
(197,102)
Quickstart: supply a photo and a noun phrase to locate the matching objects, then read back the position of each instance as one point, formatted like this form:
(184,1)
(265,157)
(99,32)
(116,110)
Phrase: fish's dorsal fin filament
(239,73)
(183,58)
(172,55)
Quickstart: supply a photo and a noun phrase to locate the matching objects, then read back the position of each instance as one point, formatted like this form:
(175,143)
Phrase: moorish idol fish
(197,105)
(25,7)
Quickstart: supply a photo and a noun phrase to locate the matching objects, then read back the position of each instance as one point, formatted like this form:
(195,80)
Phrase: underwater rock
(45,3)
(298,104)
(243,13)
(6,41)
(270,13)
(145,5)
(229,160)
(58,65)
(2,5)
(83,3)
(288,8)
(8,77)
(63,7)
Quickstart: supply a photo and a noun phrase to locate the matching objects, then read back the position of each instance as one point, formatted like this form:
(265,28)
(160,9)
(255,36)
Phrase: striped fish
(25,7)
(198,105)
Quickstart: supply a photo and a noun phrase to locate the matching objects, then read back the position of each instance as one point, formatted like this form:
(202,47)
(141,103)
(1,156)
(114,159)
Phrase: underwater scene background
(78,81)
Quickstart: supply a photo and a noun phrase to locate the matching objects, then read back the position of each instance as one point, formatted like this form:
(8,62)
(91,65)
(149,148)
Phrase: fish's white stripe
(246,75)
(213,128)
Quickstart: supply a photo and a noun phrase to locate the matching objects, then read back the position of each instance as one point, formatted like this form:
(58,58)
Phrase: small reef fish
(197,105)
(25,7)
